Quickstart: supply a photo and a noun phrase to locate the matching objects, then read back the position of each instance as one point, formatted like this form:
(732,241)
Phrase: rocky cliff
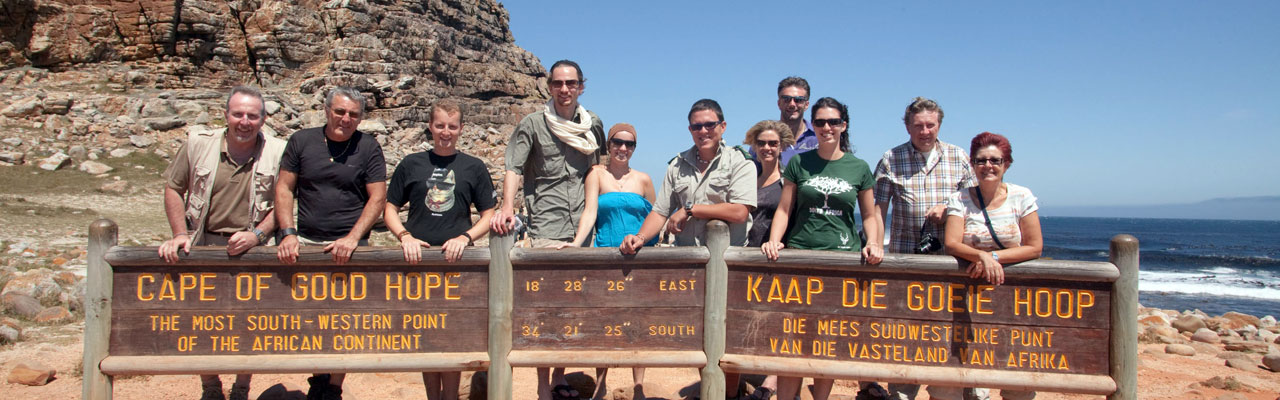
(82,78)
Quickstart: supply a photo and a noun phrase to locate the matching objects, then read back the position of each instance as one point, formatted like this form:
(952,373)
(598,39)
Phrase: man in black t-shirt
(338,177)
(440,187)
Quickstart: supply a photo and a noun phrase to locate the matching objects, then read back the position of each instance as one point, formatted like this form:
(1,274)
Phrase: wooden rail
(916,319)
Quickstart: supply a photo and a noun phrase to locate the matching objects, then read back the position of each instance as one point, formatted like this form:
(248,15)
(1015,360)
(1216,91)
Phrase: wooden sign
(911,319)
(275,309)
(608,306)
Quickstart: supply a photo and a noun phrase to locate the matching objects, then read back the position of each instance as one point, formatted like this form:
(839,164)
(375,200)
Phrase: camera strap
(983,205)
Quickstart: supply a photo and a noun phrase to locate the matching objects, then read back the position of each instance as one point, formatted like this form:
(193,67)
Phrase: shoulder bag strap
(983,204)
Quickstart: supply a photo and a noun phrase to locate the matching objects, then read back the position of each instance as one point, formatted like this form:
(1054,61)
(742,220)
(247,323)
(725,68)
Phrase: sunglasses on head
(818,123)
(631,144)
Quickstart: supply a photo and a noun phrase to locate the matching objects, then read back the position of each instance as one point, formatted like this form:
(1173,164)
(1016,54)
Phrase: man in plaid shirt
(917,176)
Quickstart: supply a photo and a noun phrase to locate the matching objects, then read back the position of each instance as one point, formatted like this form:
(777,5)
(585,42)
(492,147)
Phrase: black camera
(928,243)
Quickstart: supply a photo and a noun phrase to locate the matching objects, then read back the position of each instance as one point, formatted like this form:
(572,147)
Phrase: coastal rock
(37,283)
(1243,364)
(9,334)
(1158,319)
(95,168)
(27,107)
(1180,349)
(53,314)
(1267,322)
(1272,361)
(115,187)
(1246,346)
(12,157)
(1234,320)
(1160,334)
(31,374)
(55,161)
(373,126)
(141,141)
(1204,335)
(1189,323)
(21,304)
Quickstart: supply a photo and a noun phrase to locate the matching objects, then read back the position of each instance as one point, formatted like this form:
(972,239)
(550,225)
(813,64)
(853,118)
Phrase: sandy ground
(1160,376)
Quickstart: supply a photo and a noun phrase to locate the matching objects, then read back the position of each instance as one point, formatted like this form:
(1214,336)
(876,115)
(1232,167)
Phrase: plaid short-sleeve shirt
(912,182)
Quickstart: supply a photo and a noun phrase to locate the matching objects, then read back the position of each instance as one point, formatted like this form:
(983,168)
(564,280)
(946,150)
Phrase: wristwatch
(286,232)
(688,209)
(262,236)
(995,256)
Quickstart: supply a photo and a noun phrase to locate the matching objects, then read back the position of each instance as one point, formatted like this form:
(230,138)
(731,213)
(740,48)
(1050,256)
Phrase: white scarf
(574,134)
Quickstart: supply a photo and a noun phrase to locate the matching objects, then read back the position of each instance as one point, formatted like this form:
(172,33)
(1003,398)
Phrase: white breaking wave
(1220,281)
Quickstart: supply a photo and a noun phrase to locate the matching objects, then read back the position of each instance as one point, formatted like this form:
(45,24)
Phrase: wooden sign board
(220,310)
(947,321)
(626,306)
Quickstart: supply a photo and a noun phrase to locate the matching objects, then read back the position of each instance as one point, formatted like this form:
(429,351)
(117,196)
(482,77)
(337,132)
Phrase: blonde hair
(785,137)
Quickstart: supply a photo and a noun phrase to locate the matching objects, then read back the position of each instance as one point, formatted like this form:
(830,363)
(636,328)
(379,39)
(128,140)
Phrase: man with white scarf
(555,149)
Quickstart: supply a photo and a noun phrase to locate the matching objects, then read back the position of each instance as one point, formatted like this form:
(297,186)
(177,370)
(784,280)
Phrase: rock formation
(129,73)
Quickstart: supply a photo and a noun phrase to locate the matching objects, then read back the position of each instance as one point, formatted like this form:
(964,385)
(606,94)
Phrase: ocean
(1185,264)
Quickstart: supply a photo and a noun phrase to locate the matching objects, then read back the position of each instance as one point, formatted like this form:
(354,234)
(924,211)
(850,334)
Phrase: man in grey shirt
(553,148)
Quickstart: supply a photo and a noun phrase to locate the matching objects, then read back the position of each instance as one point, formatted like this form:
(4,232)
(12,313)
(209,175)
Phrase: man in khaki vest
(220,191)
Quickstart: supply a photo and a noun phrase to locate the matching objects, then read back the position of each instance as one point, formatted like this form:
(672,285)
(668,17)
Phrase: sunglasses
(572,83)
(988,161)
(818,123)
(704,125)
(770,143)
(788,99)
(339,112)
(620,143)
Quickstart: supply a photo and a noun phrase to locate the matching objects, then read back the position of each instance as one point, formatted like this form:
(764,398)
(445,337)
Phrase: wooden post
(1124,318)
(716,305)
(501,290)
(97,310)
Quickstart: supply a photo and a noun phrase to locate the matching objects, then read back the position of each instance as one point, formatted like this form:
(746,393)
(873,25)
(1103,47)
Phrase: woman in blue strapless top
(618,199)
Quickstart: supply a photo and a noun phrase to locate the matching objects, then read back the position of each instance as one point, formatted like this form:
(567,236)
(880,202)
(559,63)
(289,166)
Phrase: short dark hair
(566,63)
(248,91)
(706,104)
(794,81)
(919,105)
(829,102)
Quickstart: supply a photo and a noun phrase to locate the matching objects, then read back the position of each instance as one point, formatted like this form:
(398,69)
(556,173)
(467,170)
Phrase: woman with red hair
(994,223)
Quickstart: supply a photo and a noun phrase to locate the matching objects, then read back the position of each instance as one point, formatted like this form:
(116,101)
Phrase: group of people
(797,184)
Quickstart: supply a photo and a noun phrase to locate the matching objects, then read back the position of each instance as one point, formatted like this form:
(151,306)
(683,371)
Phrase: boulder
(1234,320)
(1246,346)
(27,107)
(12,157)
(53,314)
(141,141)
(1160,334)
(9,334)
(162,124)
(1180,349)
(57,106)
(373,126)
(1189,323)
(1272,361)
(95,168)
(21,304)
(1267,322)
(1243,364)
(55,161)
(116,187)
(37,283)
(31,374)
(117,153)
(1204,335)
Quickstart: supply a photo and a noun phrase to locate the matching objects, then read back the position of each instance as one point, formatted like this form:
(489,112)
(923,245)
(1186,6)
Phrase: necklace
(344,148)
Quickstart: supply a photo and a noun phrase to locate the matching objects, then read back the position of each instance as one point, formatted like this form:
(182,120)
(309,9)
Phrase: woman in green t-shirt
(822,188)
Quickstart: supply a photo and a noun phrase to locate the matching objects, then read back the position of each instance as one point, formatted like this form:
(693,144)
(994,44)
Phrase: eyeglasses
(619,143)
(988,161)
(818,123)
(770,143)
(571,84)
(339,112)
(788,99)
(704,125)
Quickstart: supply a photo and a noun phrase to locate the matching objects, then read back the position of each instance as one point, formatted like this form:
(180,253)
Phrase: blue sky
(1106,103)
